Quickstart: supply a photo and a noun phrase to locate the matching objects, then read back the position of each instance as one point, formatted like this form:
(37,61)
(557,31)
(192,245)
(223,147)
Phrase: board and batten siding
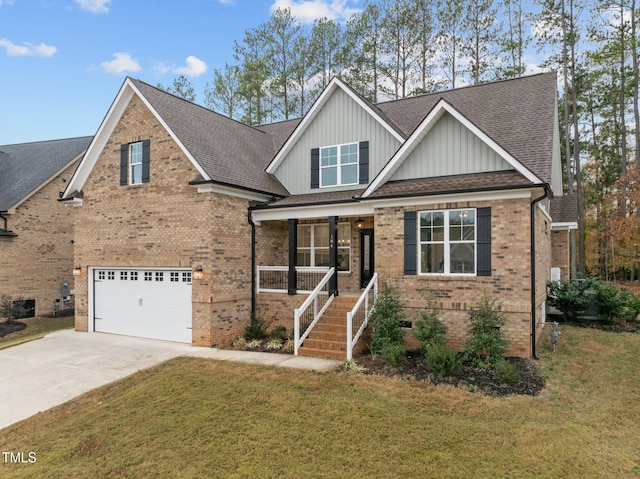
(450,148)
(341,120)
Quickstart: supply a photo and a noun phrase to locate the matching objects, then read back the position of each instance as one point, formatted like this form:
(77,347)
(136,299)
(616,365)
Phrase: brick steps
(328,339)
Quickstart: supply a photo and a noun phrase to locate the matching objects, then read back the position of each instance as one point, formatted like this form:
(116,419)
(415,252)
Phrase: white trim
(361,208)
(334,84)
(311,212)
(447,242)
(118,107)
(338,166)
(421,131)
(230,191)
(544,211)
(562,226)
(74,203)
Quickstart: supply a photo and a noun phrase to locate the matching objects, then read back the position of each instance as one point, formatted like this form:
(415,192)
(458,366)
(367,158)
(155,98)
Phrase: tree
(515,40)
(325,46)
(426,61)
(181,88)
(481,31)
(253,76)
(450,20)
(223,93)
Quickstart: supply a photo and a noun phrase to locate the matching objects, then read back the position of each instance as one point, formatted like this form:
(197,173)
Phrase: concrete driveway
(41,374)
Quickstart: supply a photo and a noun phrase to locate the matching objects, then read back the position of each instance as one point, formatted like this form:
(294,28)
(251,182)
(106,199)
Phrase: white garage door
(148,303)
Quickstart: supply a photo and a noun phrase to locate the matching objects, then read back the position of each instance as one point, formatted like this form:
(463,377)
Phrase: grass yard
(200,418)
(36,329)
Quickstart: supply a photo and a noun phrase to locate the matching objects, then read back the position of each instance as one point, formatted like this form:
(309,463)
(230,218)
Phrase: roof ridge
(47,141)
(191,103)
(466,87)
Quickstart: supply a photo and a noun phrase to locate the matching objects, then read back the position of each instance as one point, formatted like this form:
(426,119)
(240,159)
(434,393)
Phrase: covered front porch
(315,275)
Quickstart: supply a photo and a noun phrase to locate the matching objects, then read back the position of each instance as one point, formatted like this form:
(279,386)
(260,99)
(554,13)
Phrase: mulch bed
(11,327)
(471,378)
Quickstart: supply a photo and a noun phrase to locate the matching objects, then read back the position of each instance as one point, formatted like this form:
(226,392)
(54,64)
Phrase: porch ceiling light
(359,222)
(197,273)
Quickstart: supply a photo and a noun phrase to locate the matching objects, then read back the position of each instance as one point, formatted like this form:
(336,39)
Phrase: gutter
(253,261)
(533,269)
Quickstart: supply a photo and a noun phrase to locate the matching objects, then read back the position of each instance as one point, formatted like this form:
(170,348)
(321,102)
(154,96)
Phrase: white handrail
(364,297)
(312,298)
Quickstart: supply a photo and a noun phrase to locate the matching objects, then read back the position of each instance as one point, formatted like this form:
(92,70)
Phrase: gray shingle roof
(230,152)
(564,209)
(24,167)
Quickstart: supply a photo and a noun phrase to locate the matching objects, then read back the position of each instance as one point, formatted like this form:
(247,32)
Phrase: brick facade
(166,223)
(34,263)
(561,252)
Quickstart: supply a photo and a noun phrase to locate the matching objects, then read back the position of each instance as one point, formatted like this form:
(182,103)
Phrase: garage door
(148,303)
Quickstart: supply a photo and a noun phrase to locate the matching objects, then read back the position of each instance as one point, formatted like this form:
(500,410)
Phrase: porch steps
(328,339)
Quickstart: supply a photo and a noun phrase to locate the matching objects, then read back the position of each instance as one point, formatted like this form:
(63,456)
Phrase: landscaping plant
(386,322)
(485,344)
(569,297)
(257,328)
(441,360)
(429,329)
(11,309)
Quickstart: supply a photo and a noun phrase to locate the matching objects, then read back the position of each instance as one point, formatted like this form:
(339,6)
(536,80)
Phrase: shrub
(485,344)
(442,361)
(569,297)
(386,319)
(274,343)
(257,328)
(429,329)
(395,354)
(11,309)
(610,300)
(279,332)
(507,372)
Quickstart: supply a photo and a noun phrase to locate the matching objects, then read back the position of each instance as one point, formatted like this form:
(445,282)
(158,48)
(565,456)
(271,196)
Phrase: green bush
(257,328)
(429,329)
(279,332)
(386,319)
(395,354)
(442,361)
(507,372)
(569,297)
(11,309)
(485,344)
(610,301)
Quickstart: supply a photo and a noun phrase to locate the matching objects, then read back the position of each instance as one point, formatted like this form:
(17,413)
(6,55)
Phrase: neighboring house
(189,221)
(36,235)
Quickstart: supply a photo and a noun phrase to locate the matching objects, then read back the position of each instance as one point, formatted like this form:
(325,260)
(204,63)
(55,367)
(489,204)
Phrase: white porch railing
(274,279)
(305,317)
(358,317)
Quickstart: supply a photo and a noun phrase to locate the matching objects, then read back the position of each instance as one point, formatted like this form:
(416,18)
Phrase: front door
(366,257)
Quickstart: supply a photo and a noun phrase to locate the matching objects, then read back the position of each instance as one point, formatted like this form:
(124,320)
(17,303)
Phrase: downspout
(533,270)
(253,262)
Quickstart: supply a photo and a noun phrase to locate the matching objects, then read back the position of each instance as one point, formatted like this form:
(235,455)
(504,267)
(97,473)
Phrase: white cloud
(159,68)
(27,49)
(194,67)
(121,64)
(306,11)
(224,2)
(94,6)
(9,2)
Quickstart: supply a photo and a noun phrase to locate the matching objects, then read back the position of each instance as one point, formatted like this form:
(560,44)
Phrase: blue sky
(63,61)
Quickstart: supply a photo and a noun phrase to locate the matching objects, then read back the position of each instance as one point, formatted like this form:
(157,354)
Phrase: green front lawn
(36,329)
(202,418)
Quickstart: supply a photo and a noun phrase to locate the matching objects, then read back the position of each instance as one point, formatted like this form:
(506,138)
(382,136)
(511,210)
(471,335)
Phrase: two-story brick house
(189,220)
(36,235)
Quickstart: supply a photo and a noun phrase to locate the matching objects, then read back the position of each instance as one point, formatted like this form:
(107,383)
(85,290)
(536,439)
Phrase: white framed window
(313,246)
(135,163)
(339,165)
(448,242)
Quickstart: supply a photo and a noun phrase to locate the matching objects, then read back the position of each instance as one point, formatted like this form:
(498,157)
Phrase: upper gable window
(339,165)
(134,163)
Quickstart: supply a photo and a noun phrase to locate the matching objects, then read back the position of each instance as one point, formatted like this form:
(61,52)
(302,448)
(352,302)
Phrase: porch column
(333,254)
(292,279)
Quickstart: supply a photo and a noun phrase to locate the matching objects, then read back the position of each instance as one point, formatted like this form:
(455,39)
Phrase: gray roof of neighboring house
(230,152)
(564,209)
(24,167)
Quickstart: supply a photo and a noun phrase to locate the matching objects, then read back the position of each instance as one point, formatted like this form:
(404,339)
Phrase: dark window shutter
(410,235)
(363,159)
(483,218)
(124,164)
(146,156)
(315,168)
